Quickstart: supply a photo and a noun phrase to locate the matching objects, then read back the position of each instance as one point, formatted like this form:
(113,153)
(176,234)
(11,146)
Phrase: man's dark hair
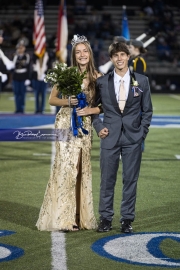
(118,47)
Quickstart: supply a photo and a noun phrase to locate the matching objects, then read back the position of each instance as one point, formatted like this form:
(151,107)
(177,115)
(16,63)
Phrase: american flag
(39,37)
(62,33)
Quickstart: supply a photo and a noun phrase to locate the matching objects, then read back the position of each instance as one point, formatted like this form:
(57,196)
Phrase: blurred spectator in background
(177,45)
(106,16)
(148,7)
(21,76)
(40,67)
(153,7)
(96,46)
(162,23)
(163,50)
(137,62)
(16,30)
(95,16)
(158,7)
(117,28)
(169,30)
(3,76)
(5,64)
(52,40)
(106,30)
(27,30)
(70,16)
(15,35)
(25,39)
(17,23)
(155,25)
(79,7)
(80,27)
(167,13)
(5,26)
(91,29)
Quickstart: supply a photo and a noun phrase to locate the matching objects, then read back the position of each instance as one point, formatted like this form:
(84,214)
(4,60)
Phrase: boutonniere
(135,88)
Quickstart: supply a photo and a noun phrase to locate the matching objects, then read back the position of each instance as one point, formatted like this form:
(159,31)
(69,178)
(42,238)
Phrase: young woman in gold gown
(68,201)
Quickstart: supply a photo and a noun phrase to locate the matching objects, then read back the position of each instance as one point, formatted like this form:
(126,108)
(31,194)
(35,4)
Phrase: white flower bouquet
(68,80)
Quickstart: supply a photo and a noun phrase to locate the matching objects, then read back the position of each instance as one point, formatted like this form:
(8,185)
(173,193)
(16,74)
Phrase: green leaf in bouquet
(68,80)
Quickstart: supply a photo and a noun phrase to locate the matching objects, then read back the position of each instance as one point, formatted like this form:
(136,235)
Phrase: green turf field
(7,103)
(163,104)
(24,177)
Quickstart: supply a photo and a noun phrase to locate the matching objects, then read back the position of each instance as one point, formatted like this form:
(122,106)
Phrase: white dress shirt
(117,81)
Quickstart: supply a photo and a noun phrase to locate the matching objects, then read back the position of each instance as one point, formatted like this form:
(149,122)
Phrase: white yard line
(48,126)
(175,96)
(171,120)
(40,154)
(165,126)
(52,109)
(177,156)
(58,249)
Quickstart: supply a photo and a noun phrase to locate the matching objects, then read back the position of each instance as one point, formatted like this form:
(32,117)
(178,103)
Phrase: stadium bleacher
(156,70)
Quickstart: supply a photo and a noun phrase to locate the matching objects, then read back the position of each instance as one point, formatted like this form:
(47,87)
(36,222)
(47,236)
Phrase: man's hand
(83,112)
(103,133)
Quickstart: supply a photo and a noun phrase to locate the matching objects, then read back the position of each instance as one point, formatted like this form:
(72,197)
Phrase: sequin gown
(58,211)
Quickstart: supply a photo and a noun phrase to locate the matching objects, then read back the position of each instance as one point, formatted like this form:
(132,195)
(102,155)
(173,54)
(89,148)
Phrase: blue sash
(77,121)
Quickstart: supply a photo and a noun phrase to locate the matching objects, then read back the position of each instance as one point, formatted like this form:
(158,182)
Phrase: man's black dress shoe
(126,226)
(104,226)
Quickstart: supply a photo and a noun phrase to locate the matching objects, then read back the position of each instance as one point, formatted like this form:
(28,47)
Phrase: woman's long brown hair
(91,71)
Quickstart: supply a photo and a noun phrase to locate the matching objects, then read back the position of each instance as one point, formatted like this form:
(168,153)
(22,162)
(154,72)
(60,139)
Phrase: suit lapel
(112,94)
(129,99)
(111,90)
(130,94)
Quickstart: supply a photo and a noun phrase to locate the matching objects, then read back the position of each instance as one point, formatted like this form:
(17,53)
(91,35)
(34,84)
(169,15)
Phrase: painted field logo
(8,252)
(140,248)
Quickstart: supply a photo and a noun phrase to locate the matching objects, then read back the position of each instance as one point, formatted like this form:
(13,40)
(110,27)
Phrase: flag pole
(125,27)
(62,33)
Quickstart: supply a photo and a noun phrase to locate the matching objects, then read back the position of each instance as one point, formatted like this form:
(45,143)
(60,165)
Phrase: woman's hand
(73,101)
(83,112)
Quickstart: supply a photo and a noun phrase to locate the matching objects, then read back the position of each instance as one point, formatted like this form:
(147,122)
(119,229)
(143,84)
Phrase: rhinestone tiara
(78,39)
